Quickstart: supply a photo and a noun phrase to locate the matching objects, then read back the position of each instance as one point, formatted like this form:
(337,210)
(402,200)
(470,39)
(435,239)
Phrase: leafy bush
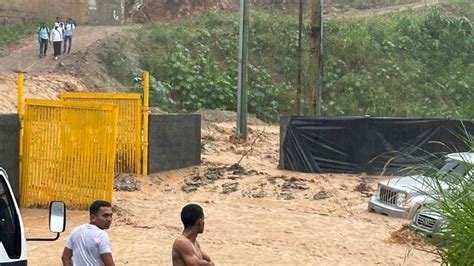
(400,65)
(201,67)
(117,62)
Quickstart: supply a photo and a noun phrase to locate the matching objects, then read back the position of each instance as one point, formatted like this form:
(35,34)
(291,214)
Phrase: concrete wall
(106,12)
(9,144)
(174,141)
(100,12)
(284,120)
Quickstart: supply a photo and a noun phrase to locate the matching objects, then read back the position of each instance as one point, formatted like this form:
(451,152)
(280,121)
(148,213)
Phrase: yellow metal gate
(68,152)
(129,139)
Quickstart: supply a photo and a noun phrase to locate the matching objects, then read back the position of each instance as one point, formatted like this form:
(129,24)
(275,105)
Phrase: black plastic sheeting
(365,144)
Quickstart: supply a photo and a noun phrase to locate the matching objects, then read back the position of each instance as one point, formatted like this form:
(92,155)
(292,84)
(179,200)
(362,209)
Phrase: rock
(251,193)
(259,194)
(286,195)
(252,172)
(229,187)
(272,179)
(364,188)
(192,185)
(233,177)
(189,188)
(236,169)
(212,176)
(323,194)
(125,182)
(294,183)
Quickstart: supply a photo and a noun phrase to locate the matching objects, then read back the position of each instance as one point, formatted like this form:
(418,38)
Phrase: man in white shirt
(57,39)
(89,244)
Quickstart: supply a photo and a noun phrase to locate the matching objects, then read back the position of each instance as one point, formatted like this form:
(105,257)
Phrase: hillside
(416,63)
(152,10)
(46,78)
(90,65)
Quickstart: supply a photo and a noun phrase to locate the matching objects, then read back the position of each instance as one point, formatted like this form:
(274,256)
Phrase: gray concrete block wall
(9,149)
(174,141)
(109,12)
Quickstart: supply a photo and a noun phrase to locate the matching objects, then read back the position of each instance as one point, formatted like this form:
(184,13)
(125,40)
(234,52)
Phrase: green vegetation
(12,32)
(458,210)
(417,64)
(454,200)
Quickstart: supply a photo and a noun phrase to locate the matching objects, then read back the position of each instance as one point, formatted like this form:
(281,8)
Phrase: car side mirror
(57,220)
(57,216)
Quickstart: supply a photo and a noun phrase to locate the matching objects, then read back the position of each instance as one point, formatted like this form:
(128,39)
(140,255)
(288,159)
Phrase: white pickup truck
(402,196)
(13,243)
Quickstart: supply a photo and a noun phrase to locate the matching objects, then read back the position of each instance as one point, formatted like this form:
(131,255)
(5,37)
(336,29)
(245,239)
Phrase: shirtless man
(186,249)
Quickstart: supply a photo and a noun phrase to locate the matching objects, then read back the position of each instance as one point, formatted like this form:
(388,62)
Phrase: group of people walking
(60,34)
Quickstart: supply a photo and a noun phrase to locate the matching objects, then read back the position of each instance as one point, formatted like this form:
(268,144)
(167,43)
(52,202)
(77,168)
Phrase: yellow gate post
(20,94)
(20,117)
(146,99)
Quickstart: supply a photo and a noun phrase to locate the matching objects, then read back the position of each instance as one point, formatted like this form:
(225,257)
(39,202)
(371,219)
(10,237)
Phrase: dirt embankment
(45,77)
(152,10)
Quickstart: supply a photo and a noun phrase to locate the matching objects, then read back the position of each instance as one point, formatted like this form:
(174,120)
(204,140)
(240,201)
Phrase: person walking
(60,24)
(56,38)
(89,244)
(43,36)
(68,31)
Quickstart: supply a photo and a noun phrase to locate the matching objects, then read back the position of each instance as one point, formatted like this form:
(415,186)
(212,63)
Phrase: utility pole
(243,71)
(299,52)
(312,96)
(319,103)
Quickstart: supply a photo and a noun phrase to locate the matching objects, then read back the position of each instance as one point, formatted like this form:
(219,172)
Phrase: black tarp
(367,144)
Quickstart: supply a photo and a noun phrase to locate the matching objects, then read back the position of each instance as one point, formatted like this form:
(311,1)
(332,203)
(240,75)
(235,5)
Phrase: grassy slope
(12,32)
(406,64)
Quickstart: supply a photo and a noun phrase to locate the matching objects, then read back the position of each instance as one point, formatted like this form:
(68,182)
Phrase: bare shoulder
(180,242)
(197,244)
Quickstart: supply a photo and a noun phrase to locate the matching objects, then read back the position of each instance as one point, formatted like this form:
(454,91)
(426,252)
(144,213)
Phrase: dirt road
(45,77)
(386,10)
(25,55)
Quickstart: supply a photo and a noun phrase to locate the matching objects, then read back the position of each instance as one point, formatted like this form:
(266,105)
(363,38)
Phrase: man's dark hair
(96,205)
(190,214)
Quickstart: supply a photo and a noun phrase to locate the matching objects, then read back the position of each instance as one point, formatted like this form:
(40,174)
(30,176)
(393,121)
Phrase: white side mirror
(57,216)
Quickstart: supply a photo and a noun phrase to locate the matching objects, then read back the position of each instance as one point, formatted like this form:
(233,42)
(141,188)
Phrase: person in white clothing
(89,244)
(56,38)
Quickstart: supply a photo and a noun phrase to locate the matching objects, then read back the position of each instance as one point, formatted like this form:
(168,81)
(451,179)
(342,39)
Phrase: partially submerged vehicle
(13,243)
(402,196)
(428,221)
